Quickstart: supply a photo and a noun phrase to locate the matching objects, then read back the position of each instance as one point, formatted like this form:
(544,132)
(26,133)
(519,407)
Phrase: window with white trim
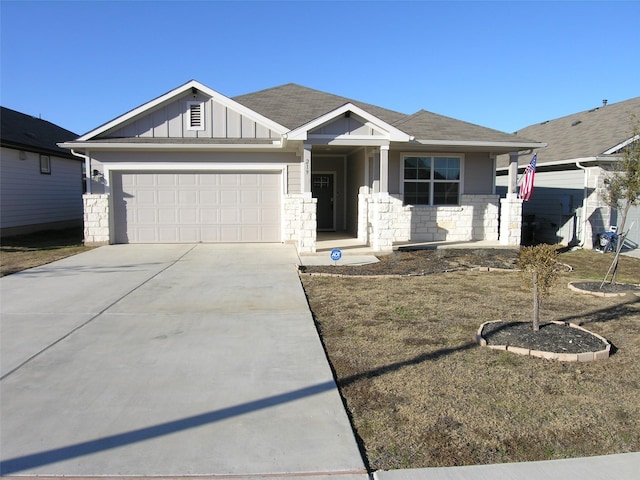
(431,180)
(195,115)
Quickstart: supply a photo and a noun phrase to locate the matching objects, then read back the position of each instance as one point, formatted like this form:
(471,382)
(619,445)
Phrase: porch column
(305,180)
(384,169)
(512,184)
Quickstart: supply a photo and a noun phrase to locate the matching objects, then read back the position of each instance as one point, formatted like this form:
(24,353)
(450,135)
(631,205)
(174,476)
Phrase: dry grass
(419,390)
(26,251)
(421,393)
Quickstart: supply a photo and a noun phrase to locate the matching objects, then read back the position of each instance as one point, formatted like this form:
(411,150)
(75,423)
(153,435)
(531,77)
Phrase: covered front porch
(383,189)
(355,252)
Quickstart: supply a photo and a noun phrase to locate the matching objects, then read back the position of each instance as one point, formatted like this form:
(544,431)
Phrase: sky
(501,64)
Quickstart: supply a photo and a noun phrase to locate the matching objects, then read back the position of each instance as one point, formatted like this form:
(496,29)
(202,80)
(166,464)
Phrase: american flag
(526,185)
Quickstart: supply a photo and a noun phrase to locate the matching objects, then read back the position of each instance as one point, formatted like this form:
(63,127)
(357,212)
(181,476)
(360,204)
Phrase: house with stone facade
(282,164)
(567,205)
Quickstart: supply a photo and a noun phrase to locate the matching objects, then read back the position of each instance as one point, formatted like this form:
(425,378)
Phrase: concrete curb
(623,466)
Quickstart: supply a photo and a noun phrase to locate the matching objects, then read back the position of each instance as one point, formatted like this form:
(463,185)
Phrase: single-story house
(41,184)
(567,205)
(281,164)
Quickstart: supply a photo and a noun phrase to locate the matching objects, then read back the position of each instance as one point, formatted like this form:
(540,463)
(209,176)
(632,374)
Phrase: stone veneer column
(382,220)
(96,219)
(300,221)
(510,220)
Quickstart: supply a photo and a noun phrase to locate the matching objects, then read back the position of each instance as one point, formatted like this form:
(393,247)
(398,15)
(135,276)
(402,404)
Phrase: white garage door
(185,207)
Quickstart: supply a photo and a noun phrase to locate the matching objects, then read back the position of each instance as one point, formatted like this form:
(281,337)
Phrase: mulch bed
(552,337)
(426,262)
(607,287)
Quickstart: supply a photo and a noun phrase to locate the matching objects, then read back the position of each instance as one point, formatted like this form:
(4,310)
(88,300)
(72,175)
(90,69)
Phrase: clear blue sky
(504,65)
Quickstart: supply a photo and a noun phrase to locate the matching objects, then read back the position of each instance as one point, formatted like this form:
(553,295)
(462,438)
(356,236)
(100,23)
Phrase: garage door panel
(170,207)
(209,197)
(209,216)
(187,179)
(229,197)
(186,197)
(145,216)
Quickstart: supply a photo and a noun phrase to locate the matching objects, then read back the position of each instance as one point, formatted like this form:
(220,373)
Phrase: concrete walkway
(178,360)
(168,360)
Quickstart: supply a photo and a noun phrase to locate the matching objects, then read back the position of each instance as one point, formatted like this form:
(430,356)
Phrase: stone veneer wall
(510,220)
(598,213)
(96,219)
(389,221)
(300,221)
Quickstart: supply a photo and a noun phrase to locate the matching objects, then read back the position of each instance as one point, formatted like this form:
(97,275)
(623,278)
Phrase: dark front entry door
(322,189)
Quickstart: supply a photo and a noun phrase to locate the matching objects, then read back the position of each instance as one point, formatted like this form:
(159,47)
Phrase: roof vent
(195,117)
(604,102)
(577,122)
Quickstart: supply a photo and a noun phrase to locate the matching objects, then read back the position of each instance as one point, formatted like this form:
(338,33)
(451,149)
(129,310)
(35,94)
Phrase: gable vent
(195,116)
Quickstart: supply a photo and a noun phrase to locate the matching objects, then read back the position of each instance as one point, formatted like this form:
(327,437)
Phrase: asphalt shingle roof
(293,105)
(582,135)
(19,130)
(426,125)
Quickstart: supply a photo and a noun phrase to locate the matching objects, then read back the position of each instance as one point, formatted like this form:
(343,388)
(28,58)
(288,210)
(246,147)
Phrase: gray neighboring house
(567,206)
(282,164)
(40,183)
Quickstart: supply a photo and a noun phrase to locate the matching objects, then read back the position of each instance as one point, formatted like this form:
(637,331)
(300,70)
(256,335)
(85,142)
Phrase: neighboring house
(281,164)
(567,206)
(40,183)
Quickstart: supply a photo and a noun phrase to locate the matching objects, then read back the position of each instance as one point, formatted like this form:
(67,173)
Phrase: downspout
(584,203)
(87,168)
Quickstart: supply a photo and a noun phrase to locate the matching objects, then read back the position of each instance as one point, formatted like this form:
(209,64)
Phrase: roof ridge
(600,108)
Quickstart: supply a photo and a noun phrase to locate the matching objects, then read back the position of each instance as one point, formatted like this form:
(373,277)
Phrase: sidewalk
(625,466)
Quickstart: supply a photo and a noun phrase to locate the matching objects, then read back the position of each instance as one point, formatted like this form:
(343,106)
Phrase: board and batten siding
(170,121)
(632,225)
(29,197)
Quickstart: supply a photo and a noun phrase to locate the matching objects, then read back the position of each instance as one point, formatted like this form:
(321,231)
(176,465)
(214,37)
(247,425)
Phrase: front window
(431,180)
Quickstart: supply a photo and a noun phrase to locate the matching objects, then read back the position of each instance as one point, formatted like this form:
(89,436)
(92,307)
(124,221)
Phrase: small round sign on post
(336,254)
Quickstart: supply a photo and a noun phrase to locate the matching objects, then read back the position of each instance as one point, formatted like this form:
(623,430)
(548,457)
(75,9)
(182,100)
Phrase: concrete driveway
(168,360)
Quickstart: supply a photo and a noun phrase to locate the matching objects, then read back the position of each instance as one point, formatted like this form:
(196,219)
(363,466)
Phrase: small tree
(623,189)
(539,269)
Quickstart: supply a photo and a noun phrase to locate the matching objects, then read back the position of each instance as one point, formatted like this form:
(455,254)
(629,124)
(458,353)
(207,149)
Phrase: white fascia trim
(276,145)
(474,143)
(176,166)
(394,134)
(565,162)
(622,145)
(350,140)
(177,92)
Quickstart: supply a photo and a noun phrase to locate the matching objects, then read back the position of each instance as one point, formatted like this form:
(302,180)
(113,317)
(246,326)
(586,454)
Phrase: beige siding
(294,181)
(394,172)
(478,174)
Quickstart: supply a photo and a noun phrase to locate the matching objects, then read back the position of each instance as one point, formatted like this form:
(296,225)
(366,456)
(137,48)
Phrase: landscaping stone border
(562,357)
(599,294)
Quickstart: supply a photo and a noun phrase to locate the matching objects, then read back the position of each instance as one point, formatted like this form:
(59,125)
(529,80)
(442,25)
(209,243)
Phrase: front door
(322,189)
